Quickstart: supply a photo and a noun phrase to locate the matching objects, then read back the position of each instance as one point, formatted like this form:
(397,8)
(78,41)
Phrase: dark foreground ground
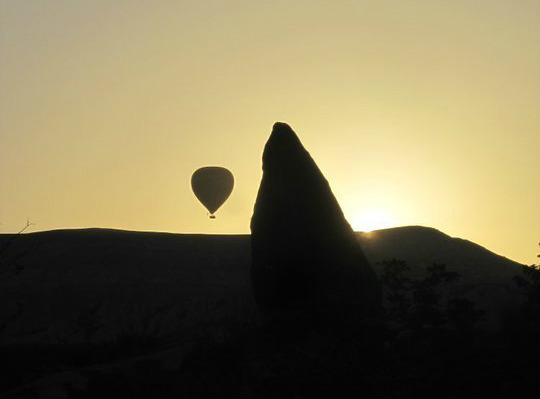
(89,314)
(283,360)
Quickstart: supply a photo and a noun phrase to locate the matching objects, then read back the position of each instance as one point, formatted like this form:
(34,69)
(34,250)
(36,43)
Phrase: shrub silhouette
(9,262)
(530,281)
(528,321)
(462,313)
(10,267)
(417,304)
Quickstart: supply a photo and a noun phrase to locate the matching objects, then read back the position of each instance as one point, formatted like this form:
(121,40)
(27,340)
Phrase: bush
(417,304)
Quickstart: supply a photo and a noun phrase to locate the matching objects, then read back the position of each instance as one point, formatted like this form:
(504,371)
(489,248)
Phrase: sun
(368,220)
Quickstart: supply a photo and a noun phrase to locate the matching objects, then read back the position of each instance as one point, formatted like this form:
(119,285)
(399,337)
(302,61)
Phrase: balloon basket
(212,216)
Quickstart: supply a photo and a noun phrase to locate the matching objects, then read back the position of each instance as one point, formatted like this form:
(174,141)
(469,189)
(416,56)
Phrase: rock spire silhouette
(306,259)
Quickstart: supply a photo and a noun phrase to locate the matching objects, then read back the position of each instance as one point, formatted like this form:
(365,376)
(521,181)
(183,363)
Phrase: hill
(127,277)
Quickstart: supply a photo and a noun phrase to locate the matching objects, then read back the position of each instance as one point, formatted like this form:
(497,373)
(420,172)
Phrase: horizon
(417,112)
(370,235)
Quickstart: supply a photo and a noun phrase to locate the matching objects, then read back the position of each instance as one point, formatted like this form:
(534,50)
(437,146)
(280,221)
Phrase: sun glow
(371,219)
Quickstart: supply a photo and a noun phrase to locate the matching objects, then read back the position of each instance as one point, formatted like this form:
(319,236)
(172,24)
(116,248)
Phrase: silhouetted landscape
(302,307)
(134,313)
(269,199)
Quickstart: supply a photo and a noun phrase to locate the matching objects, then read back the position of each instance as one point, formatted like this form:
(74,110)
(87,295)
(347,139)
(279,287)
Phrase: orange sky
(417,111)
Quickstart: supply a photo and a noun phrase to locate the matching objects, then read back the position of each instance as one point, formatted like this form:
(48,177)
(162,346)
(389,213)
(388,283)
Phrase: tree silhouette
(9,265)
(529,282)
(417,304)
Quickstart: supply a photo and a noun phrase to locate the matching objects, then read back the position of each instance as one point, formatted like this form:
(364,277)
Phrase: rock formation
(305,257)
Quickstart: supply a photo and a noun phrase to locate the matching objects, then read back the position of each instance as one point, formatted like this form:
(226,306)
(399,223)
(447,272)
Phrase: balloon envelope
(212,185)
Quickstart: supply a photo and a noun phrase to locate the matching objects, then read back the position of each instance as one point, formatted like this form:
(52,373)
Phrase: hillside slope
(128,274)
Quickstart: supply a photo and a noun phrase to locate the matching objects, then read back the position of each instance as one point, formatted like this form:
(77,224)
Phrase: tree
(417,304)
(529,281)
(9,265)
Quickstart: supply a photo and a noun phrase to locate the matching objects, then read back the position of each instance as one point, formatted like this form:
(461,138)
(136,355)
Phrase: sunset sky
(418,112)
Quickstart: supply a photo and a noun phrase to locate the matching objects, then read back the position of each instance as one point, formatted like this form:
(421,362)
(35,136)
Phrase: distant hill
(65,272)
(485,277)
(423,246)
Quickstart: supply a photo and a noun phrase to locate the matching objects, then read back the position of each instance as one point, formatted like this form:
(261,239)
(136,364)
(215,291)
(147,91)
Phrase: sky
(418,112)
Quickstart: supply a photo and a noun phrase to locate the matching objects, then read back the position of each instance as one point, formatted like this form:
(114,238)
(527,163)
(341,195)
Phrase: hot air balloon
(212,185)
